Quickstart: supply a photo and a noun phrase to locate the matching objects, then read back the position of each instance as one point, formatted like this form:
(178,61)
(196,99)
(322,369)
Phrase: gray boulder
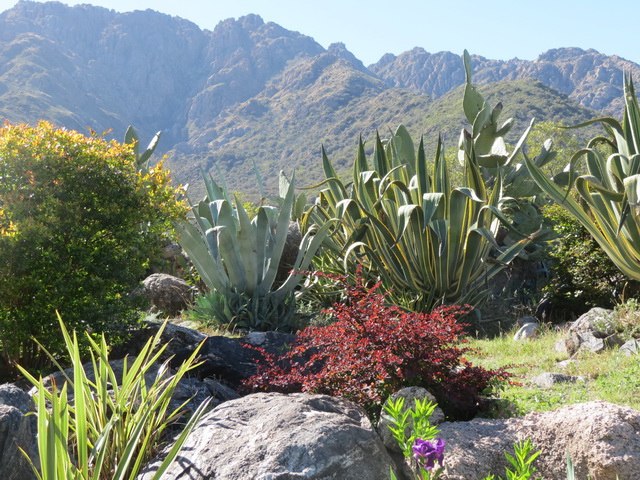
(527,331)
(594,331)
(17,430)
(548,379)
(630,348)
(603,440)
(598,321)
(167,294)
(568,345)
(271,436)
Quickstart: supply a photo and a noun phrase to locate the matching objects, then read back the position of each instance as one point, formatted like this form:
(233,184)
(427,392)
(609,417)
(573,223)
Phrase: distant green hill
(523,100)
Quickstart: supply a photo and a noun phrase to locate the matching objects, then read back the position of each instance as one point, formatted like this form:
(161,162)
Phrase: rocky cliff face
(246,92)
(591,79)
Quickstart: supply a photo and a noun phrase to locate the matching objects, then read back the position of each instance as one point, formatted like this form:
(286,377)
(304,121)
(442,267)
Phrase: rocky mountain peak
(340,50)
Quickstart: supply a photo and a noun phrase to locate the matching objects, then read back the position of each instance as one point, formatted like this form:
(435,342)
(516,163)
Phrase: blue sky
(498,29)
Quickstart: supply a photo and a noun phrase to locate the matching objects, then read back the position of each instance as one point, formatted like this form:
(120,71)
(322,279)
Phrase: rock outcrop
(276,436)
(17,431)
(602,439)
(594,331)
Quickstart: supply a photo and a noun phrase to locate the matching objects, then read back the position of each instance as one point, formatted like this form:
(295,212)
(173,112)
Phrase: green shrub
(78,224)
(583,276)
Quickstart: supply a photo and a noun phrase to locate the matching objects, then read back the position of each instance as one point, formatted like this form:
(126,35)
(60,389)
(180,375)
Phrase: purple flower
(427,453)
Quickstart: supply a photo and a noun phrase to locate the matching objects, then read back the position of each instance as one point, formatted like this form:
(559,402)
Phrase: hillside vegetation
(252,91)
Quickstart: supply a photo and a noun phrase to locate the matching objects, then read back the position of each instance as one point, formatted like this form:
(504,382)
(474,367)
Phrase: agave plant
(429,243)
(238,258)
(606,201)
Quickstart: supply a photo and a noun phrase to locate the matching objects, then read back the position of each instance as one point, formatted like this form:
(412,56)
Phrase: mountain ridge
(252,91)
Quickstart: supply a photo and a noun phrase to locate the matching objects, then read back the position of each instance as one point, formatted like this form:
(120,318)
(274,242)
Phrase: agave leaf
(586,182)
(281,232)
(309,245)
(150,149)
(380,162)
(631,123)
(214,191)
(211,272)
(406,150)
(520,144)
(441,182)
(360,164)
(247,248)
(431,206)
(231,257)
(422,175)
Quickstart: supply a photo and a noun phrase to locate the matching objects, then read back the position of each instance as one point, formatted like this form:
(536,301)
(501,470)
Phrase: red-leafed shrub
(373,350)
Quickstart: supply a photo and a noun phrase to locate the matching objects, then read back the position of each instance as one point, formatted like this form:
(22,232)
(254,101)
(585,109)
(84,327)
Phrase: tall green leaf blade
(361,164)
(406,150)
(247,248)
(380,161)
(230,254)
(282,230)
(210,271)
(422,173)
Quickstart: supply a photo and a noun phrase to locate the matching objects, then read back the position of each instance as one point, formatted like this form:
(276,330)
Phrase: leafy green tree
(78,224)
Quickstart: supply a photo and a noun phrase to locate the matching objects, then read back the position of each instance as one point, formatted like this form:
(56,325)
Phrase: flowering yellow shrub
(79,223)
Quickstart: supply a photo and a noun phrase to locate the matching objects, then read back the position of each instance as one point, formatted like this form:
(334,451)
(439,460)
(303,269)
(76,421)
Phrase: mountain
(587,77)
(253,92)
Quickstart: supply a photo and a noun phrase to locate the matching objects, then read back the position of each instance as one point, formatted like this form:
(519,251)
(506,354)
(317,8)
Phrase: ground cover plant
(609,376)
(373,349)
(79,222)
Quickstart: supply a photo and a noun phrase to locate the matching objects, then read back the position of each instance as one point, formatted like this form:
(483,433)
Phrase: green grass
(610,376)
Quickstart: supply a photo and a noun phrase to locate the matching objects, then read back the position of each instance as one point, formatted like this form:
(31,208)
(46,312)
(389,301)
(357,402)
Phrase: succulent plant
(428,242)
(609,194)
(238,258)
